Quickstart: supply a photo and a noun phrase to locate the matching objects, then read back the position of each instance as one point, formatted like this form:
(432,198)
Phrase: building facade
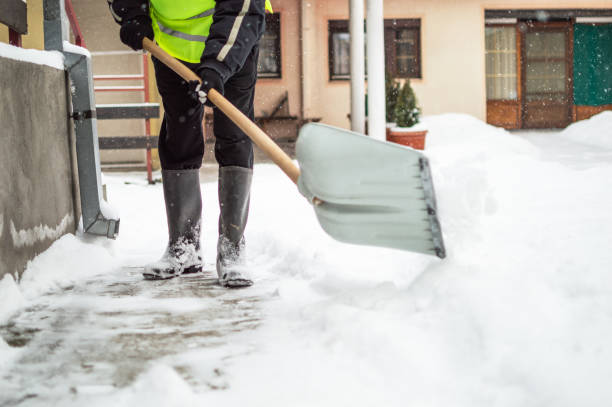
(512,63)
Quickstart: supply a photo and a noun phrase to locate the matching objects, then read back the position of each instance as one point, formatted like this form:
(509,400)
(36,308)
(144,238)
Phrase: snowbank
(53,59)
(68,260)
(520,313)
(11,298)
(596,131)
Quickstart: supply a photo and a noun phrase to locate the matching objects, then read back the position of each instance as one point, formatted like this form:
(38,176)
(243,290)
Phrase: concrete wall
(37,197)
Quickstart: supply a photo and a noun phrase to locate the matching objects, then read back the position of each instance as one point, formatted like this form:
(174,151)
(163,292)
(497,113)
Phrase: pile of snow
(596,131)
(520,313)
(68,260)
(54,59)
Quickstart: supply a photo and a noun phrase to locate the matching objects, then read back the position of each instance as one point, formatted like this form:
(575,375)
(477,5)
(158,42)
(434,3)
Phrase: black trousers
(181,141)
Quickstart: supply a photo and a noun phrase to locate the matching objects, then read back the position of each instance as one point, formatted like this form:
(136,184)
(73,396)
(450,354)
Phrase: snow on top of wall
(54,59)
(75,49)
(596,131)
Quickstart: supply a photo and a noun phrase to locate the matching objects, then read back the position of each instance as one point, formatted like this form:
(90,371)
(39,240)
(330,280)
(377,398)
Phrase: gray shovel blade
(372,192)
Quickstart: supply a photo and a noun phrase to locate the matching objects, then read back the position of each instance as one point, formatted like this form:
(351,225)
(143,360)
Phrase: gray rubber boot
(234,195)
(184,213)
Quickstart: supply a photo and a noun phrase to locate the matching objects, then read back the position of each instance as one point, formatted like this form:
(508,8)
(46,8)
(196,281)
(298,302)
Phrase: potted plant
(406,114)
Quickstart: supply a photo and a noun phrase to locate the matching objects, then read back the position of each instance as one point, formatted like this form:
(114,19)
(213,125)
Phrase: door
(547,75)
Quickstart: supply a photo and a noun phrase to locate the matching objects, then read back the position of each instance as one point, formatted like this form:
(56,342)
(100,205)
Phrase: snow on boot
(231,267)
(180,258)
(184,213)
(234,194)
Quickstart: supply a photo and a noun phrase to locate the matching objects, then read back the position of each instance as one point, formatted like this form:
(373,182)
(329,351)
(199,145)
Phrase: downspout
(77,62)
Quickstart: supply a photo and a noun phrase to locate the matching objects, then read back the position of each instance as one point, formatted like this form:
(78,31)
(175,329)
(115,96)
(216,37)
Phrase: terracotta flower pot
(407,137)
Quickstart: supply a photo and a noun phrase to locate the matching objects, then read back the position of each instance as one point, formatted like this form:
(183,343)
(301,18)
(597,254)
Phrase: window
(402,48)
(269,63)
(339,50)
(500,42)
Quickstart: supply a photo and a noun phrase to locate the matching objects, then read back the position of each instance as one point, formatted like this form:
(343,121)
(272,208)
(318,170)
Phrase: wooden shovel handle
(261,139)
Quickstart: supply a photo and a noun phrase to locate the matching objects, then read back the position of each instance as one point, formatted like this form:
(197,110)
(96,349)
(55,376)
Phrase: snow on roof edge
(54,59)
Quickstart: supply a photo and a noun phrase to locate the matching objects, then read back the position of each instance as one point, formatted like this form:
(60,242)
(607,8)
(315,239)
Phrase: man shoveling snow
(223,52)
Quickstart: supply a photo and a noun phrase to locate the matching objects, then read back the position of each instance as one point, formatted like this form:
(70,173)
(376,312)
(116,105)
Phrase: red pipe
(74,24)
(14,38)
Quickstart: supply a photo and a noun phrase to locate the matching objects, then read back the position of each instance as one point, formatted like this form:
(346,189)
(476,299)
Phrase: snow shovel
(364,191)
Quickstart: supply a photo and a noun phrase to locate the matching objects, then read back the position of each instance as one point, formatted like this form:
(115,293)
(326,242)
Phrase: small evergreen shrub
(406,111)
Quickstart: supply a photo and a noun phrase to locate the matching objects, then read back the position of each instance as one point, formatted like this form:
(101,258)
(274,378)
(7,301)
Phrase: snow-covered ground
(518,314)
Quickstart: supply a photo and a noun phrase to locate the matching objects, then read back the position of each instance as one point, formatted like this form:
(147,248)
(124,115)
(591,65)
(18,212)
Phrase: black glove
(134,30)
(210,80)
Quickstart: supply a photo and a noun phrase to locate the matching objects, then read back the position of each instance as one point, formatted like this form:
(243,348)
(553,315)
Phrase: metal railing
(120,142)
(74,24)
(144,77)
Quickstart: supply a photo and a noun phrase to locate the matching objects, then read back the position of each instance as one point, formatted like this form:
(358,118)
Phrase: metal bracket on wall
(79,70)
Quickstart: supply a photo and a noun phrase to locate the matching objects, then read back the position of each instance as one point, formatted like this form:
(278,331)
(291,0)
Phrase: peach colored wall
(269,91)
(325,99)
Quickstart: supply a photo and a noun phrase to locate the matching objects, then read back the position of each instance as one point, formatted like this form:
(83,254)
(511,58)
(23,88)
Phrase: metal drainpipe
(85,124)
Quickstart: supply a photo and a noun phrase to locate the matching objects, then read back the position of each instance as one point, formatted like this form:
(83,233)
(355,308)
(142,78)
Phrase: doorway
(546,54)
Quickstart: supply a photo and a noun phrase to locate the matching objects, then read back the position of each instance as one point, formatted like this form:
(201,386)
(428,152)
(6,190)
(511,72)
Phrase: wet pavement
(105,331)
